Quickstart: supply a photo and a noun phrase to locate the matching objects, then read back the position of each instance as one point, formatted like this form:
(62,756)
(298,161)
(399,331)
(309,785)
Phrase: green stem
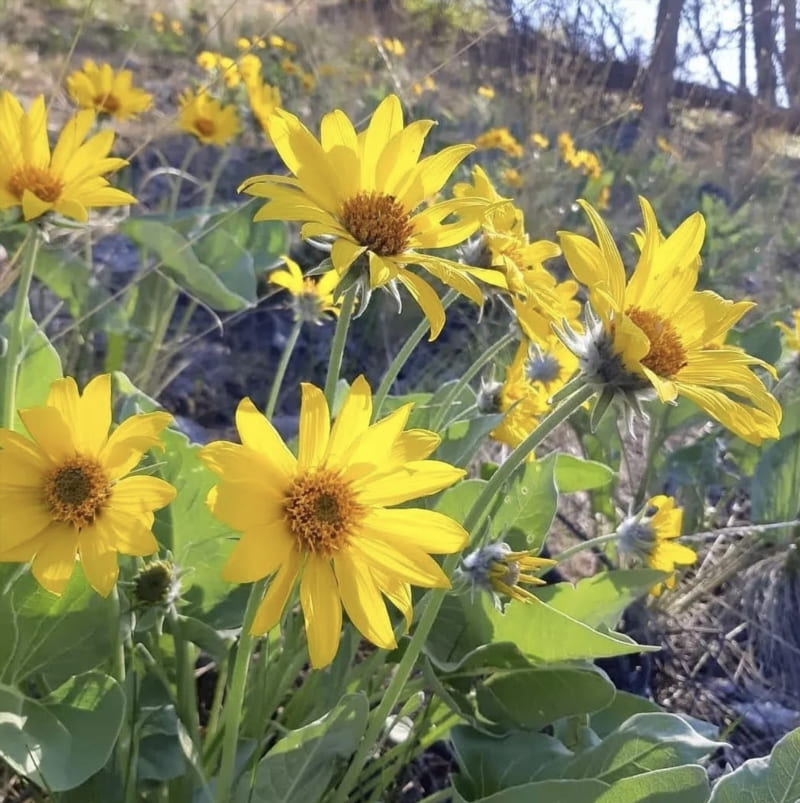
(216,702)
(399,361)
(176,187)
(337,345)
(234,704)
(165,306)
(15,345)
(475,517)
(583,545)
(185,680)
(280,372)
(487,356)
(118,646)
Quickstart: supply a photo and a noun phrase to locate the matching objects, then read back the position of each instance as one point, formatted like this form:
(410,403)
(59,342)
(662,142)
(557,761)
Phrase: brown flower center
(321,511)
(204,126)
(378,222)
(106,103)
(37,180)
(76,491)
(667,355)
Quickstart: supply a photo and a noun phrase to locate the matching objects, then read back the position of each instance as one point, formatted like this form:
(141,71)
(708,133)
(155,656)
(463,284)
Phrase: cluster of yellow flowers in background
(585,161)
(500,139)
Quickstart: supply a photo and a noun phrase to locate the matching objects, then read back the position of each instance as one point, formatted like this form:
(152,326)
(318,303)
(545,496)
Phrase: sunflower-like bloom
(656,331)
(791,336)
(363,190)
(323,516)
(69,180)
(66,492)
(264,100)
(539,369)
(649,537)
(312,298)
(497,569)
(206,118)
(107,92)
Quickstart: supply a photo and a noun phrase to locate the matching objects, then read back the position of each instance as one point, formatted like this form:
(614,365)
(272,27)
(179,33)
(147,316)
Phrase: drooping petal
(269,611)
(322,610)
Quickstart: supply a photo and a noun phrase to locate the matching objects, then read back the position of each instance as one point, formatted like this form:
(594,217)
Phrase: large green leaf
(62,740)
(545,791)
(490,764)
(301,765)
(232,264)
(600,599)
(460,440)
(772,779)
(524,509)
(672,785)
(39,367)
(642,743)
(624,706)
(533,697)
(574,474)
(773,488)
(180,263)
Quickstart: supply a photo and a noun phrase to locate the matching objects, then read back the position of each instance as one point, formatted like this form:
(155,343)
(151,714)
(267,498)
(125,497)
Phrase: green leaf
(491,764)
(574,474)
(460,441)
(61,741)
(531,698)
(302,765)
(232,263)
(546,791)
(624,706)
(457,501)
(600,599)
(762,340)
(642,743)
(672,785)
(181,264)
(773,488)
(773,778)
(39,367)
(524,509)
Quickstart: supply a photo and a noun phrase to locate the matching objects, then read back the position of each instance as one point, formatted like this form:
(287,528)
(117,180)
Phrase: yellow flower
(207,60)
(157,17)
(792,335)
(176,27)
(363,190)
(649,537)
(107,92)
(207,119)
(308,81)
(654,329)
(502,139)
(540,368)
(242,43)
(566,146)
(512,177)
(250,70)
(322,517)
(70,180)
(603,198)
(290,47)
(230,72)
(665,147)
(66,492)
(496,569)
(265,100)
(486,92)
(276,41)
(540,140)
(289,67)
(312,296)
(395,47)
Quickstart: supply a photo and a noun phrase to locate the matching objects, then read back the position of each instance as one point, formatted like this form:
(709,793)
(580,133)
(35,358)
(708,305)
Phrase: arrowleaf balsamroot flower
(791,336)
(322,517)
(69,180)
(363,190)
(207,119)
(107,92)
(312,297)
(649,537)
(66,492)
(655,331)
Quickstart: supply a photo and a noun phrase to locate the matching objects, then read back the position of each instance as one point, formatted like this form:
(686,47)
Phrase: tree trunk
(791,52)
(659,79)
(764,44)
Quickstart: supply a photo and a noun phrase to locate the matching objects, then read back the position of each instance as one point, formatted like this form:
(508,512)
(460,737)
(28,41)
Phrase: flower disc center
(667,355)
(205,126)
(37,180)
(378,222)
(321,511)
(107,103)
(76,491)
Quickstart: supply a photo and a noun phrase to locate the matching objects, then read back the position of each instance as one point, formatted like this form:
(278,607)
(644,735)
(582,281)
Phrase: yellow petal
(322,611)
(427,299)
(409,564)
(129,534)
(353,419)
(23,516)
(54,562)
(375,445)
(413,444)
(51,432)
(398,592)
(362,600)
(141,494)
(99,562)
(244,505)
(413,480)
(258,553)
(130,440)
(425,529)
(280,587)
(258,434)
(315,427)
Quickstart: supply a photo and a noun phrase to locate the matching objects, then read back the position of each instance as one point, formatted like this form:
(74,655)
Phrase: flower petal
(419,478)
(322,611)
(315,427)
(353,419)
(280,587)
(424,529)
(258,553)
(258,434)
(55,561)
